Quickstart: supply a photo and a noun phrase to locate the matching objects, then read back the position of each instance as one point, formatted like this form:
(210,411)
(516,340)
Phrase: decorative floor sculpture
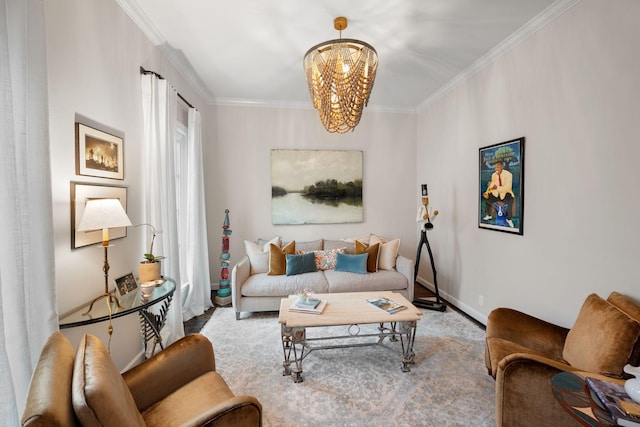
(224,292)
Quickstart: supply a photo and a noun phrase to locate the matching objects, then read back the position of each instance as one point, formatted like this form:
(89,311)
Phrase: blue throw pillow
(352,263)
(298,264)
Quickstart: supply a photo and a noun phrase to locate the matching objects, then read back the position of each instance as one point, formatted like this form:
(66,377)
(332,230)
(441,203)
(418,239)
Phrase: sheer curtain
(159,108)
(27,288)
(197,256)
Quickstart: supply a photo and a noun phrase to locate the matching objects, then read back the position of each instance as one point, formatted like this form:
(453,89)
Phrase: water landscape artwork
(316,187)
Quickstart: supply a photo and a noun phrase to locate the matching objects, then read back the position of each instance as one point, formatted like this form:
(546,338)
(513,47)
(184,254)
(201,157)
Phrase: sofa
(523,353)
(262,277)
(176,387)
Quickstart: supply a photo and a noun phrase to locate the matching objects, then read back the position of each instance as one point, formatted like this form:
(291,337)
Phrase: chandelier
(340,75)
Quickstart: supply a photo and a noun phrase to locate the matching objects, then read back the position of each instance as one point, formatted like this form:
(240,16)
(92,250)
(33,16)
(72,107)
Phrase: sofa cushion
(258,254)
(352,263)
(349,247)
(277,258)
(299,264)
(325,260)
(315,245)
(602,339)
(263,285)
(388,251)
(383,280)
(100,395)
(373,252)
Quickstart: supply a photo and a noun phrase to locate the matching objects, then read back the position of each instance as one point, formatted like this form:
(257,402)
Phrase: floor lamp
(103,214)
(423,215)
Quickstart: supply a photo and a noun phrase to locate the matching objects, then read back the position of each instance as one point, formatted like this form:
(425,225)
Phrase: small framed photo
(98,153)
(80,194)
(126,284)
(501,187)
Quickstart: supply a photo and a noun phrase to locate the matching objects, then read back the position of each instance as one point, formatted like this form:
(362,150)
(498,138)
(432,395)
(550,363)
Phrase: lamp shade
(103,213)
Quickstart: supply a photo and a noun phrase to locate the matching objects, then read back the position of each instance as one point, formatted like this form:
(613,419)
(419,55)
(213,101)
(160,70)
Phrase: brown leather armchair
(523,353)
(176,387)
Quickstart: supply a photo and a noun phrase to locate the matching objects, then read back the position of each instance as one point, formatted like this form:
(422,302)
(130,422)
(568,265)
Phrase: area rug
(448,385)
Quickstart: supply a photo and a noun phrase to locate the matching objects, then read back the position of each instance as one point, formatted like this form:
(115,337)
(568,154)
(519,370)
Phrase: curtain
(27,287)
(197,256)
(159,108)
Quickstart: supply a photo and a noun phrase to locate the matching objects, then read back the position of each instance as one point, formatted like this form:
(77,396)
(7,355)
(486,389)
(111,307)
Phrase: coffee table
(351,310)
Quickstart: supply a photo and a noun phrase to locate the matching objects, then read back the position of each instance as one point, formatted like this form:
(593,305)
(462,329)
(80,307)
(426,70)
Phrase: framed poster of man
(501,186)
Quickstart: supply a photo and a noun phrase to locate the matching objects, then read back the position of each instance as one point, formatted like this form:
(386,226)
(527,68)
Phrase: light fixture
(103,214)
(340,74)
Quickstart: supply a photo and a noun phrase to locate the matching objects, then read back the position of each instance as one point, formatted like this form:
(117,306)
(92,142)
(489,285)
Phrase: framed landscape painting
(501,187)
(316,186)
(98,153)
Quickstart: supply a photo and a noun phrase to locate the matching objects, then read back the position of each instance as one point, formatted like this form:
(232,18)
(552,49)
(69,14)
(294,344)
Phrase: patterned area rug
(448,385)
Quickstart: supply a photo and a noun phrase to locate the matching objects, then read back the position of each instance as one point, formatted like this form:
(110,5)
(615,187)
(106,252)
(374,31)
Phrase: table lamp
(103,214)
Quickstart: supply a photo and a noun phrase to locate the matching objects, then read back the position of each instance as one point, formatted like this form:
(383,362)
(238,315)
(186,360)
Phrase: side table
(150,322)
(574,395)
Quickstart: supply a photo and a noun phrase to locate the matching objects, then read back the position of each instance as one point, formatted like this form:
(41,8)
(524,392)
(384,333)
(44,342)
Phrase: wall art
(98,153)
(501,187)
(80,194)
(316,186)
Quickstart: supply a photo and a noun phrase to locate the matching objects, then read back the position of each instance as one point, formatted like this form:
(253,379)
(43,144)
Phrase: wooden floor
(195,325)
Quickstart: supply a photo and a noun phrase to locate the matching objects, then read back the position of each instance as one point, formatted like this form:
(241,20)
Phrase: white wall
(572,90)
(94,54)
(238,174)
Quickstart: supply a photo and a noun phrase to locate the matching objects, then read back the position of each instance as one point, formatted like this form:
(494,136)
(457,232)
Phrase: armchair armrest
(235,411)
(404,266)
(526,330)
(165,372)
(524,394)
(239,274)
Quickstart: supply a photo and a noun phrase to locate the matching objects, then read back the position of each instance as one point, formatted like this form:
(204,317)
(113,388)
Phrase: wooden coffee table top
(346,309)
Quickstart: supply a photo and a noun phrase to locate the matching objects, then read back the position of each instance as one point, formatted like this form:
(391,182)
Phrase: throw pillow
(388,251)
(373,251)
(258,254)
(326,260)
(277,258)
(602,338)
(298,264)
(352,263)
(349,247)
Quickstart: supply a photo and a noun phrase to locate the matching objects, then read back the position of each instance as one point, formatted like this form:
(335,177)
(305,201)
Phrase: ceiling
(250,51)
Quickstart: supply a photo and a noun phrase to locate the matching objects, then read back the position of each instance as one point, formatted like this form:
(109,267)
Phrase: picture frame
(126,284)
(80,194)
(98,153)
(316,186)
(501,195)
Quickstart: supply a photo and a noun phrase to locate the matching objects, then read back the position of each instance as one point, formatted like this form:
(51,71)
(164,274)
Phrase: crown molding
(143,22)
(527,30)
(298,105)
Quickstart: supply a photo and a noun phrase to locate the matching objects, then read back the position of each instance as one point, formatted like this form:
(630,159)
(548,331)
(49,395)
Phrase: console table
(133,302)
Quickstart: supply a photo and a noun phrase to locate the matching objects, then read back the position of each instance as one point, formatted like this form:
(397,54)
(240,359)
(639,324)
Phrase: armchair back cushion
(100,395)
(49,396)
(605,350)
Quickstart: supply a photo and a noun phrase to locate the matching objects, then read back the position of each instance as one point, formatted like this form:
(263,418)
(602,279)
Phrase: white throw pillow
(259,254)
(388,251)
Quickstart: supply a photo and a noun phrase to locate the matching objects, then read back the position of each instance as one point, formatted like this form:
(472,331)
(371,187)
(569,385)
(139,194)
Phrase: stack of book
(308,305)
(624,411)
(386,305)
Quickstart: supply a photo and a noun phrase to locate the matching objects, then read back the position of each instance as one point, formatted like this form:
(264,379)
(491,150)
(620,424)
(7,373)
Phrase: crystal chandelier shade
(340,74)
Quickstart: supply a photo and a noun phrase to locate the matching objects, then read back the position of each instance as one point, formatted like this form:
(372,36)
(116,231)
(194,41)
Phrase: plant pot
(148,271)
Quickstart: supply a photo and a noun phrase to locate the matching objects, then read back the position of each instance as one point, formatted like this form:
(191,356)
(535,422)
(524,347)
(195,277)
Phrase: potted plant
(149,268)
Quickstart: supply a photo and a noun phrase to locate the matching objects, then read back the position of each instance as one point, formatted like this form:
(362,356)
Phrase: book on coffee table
(614,397)
(308,306)
(386,305)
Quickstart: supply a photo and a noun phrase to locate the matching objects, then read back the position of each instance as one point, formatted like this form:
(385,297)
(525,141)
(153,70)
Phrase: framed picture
(316,186)
(80,194)
(501,187)
(98,153)
(126,284)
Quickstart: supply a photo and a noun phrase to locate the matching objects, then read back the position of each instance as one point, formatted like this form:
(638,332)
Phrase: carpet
(448,385)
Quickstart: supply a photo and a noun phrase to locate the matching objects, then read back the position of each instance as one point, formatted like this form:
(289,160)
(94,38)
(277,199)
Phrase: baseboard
(456,304)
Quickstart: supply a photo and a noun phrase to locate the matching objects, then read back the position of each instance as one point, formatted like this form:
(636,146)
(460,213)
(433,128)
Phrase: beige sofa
(523,353)
(254,290)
